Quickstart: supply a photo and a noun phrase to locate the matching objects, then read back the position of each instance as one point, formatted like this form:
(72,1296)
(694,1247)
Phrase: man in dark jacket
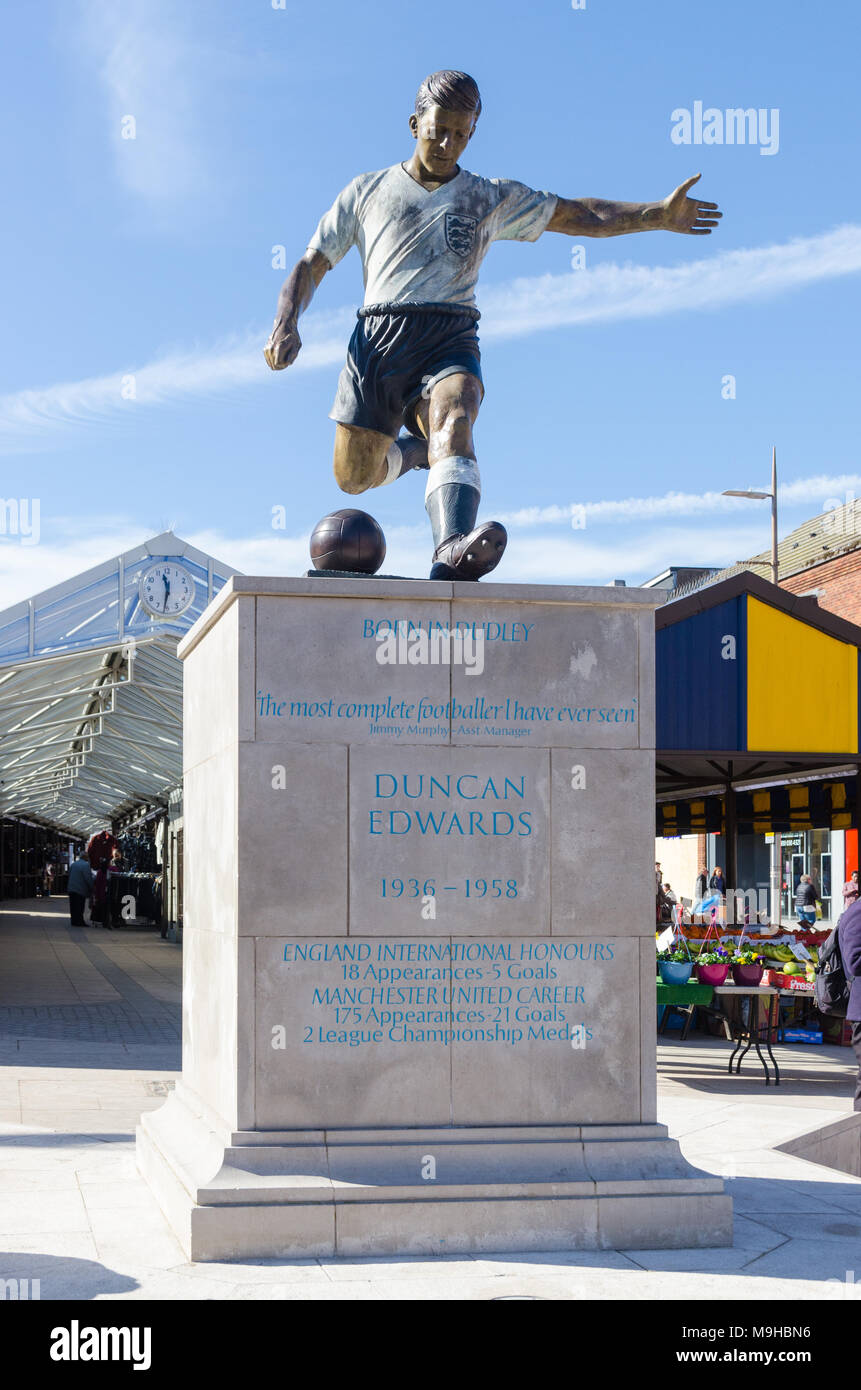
(850,950)
(80,888)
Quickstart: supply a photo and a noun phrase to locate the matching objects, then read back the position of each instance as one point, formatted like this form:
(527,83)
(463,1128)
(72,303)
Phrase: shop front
(819,853)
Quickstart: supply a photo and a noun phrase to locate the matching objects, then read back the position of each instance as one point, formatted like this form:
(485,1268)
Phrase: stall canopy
(91,691)
(757,711)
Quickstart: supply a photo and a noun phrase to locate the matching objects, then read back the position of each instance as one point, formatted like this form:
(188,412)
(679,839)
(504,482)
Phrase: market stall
(746,758)
(702,957)
(136,873)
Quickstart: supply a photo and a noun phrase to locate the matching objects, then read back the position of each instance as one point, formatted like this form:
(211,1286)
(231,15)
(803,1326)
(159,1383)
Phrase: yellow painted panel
(802,685)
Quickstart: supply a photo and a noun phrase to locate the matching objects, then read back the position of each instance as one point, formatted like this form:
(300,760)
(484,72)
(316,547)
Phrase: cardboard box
(802,1035)
(778,980)
(675,1022)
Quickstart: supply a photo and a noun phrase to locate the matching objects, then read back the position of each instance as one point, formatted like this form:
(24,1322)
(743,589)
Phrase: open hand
(678,213)
(283,346)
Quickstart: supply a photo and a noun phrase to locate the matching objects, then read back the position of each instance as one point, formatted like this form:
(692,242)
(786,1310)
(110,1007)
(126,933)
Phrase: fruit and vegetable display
(774,955)
(782,959)
(780,964)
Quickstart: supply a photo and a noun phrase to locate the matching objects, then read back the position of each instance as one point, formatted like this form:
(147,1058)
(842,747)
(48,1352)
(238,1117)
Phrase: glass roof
(91,691)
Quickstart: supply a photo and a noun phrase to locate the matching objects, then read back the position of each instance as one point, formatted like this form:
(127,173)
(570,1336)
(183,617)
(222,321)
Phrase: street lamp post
(776,847)
(762,496)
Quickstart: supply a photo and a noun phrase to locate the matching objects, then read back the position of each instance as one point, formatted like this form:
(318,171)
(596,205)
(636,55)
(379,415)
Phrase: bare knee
(350,479)
(359,458)
(453,410)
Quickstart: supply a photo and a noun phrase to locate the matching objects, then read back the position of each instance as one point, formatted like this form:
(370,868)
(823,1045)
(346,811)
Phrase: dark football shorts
(397,351)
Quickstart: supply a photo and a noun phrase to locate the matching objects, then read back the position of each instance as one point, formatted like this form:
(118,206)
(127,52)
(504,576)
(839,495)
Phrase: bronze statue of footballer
(410,391)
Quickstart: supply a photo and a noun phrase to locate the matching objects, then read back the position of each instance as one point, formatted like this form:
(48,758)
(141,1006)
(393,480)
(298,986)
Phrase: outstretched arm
(598,217)
(296,294)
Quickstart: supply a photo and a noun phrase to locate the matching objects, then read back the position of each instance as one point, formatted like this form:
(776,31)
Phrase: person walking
(80,887)
(668,902)
(805,900)
(850,890)
(702,884)
(849,938)
(659,892)
(717,882)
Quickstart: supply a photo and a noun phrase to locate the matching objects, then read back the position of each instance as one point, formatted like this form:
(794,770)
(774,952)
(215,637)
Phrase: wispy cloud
(588,558)
(630,292)
(146,60)
(160,63)
(818,490)
(516,309)
(173,378)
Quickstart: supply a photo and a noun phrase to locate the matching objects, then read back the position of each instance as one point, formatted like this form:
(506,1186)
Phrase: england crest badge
(460,233)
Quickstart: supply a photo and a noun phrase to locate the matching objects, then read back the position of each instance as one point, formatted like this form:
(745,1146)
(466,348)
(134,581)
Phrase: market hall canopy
(91,688)
(757,695)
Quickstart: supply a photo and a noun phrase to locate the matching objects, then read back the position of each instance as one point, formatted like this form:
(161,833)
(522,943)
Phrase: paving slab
(817,1260)
(31,1213)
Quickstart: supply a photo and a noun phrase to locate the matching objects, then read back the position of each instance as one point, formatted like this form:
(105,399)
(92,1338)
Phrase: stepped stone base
(302,1194)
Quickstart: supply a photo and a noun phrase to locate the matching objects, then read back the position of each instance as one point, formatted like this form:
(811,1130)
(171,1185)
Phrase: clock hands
(176,598)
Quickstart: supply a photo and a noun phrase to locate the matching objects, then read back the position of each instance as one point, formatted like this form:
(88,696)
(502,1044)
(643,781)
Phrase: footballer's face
(442,136)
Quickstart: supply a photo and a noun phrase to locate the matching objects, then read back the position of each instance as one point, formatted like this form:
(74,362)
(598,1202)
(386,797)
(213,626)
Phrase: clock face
(166,589)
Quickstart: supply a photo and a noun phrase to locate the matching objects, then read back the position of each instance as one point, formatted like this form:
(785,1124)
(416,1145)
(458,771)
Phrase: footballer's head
(448,104)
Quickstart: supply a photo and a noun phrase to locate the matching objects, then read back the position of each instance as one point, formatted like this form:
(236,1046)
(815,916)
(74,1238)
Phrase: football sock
(452,496)
(405,453)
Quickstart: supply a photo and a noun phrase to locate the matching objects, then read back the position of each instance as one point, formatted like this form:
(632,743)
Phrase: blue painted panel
(702,693)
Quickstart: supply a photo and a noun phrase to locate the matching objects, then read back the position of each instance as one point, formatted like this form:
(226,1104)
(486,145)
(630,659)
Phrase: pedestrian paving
(76,1216)
(86,984)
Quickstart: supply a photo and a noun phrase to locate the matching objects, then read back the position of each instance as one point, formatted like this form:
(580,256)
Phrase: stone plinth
(419,1007)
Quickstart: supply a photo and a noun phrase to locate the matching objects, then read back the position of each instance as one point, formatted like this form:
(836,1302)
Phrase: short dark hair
(452,90)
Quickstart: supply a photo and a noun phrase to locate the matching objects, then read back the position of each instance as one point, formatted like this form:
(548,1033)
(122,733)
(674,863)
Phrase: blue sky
(152,258)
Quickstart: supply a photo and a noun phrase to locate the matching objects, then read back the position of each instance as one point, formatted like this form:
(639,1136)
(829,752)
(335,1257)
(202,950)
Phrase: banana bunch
(779,953)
